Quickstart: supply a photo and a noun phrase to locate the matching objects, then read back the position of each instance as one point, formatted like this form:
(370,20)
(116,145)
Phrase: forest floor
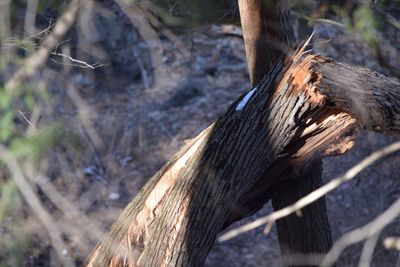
(126,124)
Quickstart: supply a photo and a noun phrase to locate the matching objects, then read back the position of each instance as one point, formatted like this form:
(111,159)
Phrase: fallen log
(299,112)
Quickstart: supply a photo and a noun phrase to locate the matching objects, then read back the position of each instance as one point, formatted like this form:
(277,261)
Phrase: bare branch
(85,116)
(79,63)
(38,59)
(372,228)
(34,202)
(318,20)
(69,209)
(27,120)
(350,174)
(368,250)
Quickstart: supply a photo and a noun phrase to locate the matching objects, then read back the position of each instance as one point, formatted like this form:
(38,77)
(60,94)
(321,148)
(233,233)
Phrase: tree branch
(313,196)
(39,58)
(268,34)
(285,124)
(34,202)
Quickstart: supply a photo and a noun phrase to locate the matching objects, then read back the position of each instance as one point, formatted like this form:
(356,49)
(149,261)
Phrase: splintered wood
(307,107)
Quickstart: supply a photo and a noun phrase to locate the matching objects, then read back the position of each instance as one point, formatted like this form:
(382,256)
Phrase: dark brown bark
(306,234)
(284,125)
(370,106)
(268,34)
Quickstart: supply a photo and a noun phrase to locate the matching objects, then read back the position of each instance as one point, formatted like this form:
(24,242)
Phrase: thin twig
(313,196)
(39,58)
(80,63)
(27,120)
(318,20)
(372,228)
(69,209)
(85,114)
(95,139)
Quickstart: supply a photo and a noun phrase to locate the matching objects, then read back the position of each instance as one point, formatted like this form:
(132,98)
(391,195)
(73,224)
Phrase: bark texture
(305,234)
(290,120)
(268,34)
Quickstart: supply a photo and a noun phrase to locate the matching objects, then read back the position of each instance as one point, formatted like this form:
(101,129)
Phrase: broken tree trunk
(268,33)
(293,117)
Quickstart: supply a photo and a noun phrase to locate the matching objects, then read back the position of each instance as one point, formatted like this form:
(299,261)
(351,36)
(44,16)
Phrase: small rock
(113,196)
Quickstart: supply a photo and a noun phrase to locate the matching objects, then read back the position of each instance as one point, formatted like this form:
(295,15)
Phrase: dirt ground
(125,123)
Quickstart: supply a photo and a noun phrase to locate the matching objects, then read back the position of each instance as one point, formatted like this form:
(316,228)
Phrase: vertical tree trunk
(268,33)
(301,111)
(303,236)
(174,220)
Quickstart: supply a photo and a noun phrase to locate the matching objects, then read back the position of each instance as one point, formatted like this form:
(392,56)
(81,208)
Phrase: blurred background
(95,99)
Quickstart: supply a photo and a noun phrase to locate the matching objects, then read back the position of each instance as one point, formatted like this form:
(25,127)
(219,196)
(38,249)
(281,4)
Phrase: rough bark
(268,34)
(370,106)
(306,234)
(284,125)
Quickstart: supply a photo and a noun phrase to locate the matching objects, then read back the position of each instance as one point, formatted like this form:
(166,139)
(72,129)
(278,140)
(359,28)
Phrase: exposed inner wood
(175,218)
(268,34)
(328,133)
